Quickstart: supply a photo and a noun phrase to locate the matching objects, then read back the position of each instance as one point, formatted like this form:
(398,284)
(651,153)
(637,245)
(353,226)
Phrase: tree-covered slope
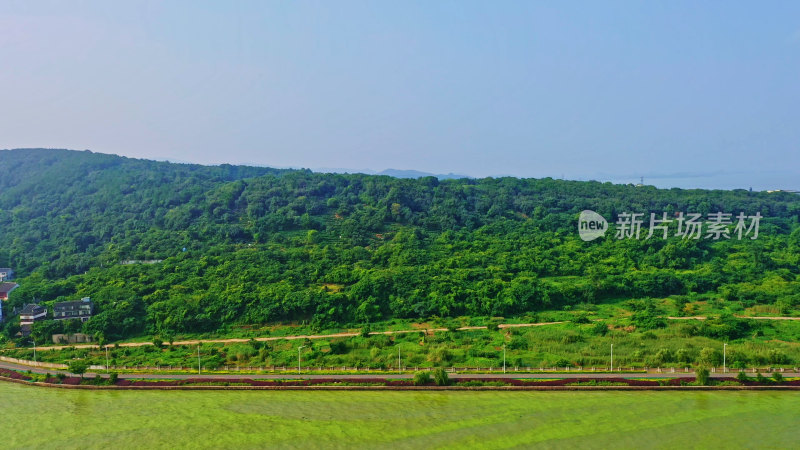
(263,245)
(61,211)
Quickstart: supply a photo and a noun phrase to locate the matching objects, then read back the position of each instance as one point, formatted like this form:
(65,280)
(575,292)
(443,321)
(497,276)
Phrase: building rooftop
(74,304)
(32,308)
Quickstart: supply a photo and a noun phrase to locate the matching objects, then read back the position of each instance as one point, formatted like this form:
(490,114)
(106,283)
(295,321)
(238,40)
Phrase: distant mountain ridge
(396,173)
(401,173)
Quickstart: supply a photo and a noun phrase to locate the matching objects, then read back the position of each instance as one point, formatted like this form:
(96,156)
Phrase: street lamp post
(399,366)
(504,358)
(298,358)
(612,357)
(724,359)
(34,349)
(198,359)
(106,359)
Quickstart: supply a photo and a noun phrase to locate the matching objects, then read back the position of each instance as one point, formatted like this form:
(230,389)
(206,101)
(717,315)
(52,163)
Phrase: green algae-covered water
(54,418)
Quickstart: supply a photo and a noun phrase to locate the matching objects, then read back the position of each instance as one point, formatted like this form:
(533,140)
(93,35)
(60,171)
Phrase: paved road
(294,376)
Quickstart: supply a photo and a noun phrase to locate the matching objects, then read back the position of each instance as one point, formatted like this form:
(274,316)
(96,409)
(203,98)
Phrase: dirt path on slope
(295,337)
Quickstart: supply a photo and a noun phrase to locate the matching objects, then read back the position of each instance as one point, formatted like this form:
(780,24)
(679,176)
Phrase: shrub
(571,338)
(518,343)
(562,362)
(688,330)
(439,355)
(78,367)
(741,376)
(113,377)
(710,356)
(440,377)
(338,347)
(600,329)
(663,355)
(380,341)
(474,383)
(422,378)
(702,376)
(777,357)
(597,383)
(777,377)
(584,306)
(726,326)
(680,303)
(760,378)
(581,318)
(647,318)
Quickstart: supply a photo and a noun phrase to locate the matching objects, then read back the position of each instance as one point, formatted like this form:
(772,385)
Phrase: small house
(30,313)
(6,288)
(6,274)
(73,310)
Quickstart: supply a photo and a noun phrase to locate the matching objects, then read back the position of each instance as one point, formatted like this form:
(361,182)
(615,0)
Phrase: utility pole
(198,359)
(298,358)
(612,357)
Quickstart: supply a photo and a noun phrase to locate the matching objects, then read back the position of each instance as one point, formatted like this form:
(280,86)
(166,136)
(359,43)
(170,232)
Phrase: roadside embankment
(372,384)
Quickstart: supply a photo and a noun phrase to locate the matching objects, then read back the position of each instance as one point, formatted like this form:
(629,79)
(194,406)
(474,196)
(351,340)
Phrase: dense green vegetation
(244,246)
(681,343)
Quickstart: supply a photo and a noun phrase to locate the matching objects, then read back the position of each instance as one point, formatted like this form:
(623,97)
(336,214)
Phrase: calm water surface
(50,418)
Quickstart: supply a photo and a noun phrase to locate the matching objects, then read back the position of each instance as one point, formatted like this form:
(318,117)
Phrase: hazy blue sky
(684,93)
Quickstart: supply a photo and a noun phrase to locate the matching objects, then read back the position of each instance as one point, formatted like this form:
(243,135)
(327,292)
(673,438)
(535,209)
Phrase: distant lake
(38,417)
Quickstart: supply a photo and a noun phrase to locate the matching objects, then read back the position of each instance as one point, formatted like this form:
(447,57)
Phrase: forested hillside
(248,245)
